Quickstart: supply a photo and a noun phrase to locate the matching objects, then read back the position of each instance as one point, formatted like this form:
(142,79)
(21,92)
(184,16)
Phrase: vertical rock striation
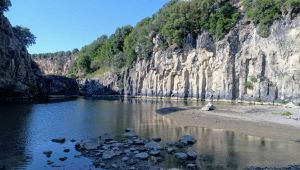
(242,66)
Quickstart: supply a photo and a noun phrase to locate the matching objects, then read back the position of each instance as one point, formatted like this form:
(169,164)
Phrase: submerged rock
(63,159)
(59,140)
(48,153)
(155,153)
(66,150)
(108,155)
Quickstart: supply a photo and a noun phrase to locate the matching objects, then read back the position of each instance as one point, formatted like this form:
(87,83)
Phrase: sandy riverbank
(256,120)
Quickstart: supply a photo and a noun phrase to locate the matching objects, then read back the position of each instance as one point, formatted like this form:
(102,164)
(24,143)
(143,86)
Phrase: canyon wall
(20,76)
(57,65)
(242,66)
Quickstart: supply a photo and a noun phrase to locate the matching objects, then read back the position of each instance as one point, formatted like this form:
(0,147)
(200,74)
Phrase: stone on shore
(208,107)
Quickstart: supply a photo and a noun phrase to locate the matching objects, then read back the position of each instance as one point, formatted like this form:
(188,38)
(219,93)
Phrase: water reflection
(30,128)
(13,135)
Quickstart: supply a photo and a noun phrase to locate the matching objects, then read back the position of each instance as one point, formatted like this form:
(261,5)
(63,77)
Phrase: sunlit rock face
(242,66)
(57,65)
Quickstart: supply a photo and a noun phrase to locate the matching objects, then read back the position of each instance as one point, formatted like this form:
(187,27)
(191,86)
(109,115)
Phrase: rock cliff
(242,66)
(57,65)
(20,76)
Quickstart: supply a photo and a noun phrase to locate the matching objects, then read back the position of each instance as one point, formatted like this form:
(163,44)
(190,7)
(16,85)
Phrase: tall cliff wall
(57,65)
(19,75)
(242,66)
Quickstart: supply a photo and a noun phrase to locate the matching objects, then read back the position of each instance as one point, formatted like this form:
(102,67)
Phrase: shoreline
(255,120)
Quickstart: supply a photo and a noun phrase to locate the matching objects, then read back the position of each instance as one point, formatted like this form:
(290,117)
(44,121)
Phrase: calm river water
(26,131)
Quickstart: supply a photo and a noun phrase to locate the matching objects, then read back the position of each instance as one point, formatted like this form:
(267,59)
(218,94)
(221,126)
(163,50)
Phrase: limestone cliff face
(242,66)
(58,65)
(19,75)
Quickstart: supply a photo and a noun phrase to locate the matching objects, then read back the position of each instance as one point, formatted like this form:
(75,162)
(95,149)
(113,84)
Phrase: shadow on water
(13,135)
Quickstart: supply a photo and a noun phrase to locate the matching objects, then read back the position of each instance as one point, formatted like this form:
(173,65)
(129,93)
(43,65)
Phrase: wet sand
(255,120)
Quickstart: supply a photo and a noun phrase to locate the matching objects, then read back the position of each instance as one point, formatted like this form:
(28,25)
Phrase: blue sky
(67,24)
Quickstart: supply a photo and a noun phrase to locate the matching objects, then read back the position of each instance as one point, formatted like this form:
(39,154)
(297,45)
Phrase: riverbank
(275,122)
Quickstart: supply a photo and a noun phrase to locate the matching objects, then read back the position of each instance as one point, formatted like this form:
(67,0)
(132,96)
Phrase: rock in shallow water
(142,155)
(59,140)
(108,155)
(155,153)
(192,155)
(153,146)
(181,156)
(63,159)
(187,140)
(156,139)
(48,153)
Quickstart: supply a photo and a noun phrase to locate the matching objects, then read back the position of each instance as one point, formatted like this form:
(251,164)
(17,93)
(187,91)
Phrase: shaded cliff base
(275,122)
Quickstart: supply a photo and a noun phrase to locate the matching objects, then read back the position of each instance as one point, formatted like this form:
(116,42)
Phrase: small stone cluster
(132,152)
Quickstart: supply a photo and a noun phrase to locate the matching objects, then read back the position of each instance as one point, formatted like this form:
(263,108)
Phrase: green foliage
(56,54)
(4,5)
(173,23)
(249,85)
(253,79)
(223,20)
(264,12)
(285,113)
(24,35)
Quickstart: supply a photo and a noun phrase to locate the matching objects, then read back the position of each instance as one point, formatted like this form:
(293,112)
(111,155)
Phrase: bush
(24,35)
(223,20)
(253,79)
(249,85)
(4,5)
(264,12)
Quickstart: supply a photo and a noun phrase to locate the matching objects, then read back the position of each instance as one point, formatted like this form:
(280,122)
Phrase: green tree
(4,5)
(24,35)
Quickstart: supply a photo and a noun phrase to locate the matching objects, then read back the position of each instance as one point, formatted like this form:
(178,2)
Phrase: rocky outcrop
(242,66)
(58,85)
(57,65)
(20,76)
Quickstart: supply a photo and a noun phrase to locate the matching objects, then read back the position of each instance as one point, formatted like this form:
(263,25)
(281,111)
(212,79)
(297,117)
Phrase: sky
(62,25)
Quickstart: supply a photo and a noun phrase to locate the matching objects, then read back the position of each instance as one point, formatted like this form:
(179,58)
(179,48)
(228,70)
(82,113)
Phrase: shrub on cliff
(4,5)
(264,12)
(174,22)
(24,35)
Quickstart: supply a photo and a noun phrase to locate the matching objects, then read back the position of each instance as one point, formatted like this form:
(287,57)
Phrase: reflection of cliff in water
(13,135)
